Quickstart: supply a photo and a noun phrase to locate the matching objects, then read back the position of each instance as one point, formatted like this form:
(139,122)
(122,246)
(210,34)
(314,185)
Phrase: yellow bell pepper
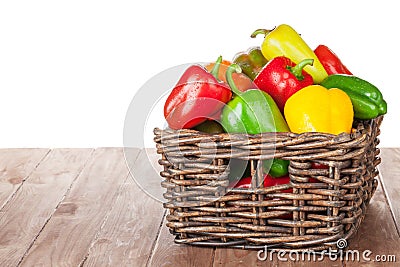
(317,109)
(285,41)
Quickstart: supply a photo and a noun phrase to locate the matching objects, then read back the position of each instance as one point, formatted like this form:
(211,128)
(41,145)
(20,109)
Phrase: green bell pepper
(251,62)
(253,112)
(367,100)
(209,126)
(278,167)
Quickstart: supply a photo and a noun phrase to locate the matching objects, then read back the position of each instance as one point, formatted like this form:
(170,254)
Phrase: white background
(69,69)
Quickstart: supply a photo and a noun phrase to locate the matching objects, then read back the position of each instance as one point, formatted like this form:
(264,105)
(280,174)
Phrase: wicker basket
(313,216)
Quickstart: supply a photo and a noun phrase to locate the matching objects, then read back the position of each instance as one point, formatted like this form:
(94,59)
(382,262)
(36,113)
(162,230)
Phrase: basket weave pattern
(203,211)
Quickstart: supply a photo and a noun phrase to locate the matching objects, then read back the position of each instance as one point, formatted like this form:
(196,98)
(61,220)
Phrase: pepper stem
(260,31)
(215,69)
(233,68)
(298,69)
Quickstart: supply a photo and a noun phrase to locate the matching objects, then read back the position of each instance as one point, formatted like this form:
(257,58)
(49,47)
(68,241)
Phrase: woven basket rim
(357,129)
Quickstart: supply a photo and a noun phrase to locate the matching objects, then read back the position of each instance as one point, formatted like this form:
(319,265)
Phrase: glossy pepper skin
(253,112)
(281,78)
(209,126)
(268,182)
(368,102)
(285,41)
(196,96)
(330,61)
(317,109)
(251,62)
(277,167)
(241,80)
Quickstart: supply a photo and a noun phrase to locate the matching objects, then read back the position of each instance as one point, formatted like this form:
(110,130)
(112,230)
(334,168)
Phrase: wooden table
(80,207)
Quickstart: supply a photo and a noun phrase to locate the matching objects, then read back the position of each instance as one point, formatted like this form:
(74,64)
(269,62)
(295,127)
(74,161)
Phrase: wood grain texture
(234,257)
(131,228)
(15,166)
(237,257)
(390,176)
(72,207)
(168,253)
(34,203)
(67,237)
(146,171)
(377,233)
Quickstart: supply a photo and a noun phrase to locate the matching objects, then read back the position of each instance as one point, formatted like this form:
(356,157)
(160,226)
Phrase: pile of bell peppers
(281,86)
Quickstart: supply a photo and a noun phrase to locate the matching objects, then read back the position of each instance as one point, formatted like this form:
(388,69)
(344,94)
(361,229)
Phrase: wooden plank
(168,253)
(24,216)
(147,173)
(377,233)
(67,237)
(127,237)
(238,257)
(15,166)
(390,176)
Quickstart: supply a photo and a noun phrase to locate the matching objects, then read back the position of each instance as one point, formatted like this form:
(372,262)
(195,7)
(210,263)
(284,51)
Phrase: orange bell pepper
(317,109)
(242,81)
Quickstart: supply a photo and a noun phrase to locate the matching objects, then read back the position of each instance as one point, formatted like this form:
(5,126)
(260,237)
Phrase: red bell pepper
(272,181)
(331,62)
(268,182)
(315,165)
(197,95)
(244,182)
(281,78)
